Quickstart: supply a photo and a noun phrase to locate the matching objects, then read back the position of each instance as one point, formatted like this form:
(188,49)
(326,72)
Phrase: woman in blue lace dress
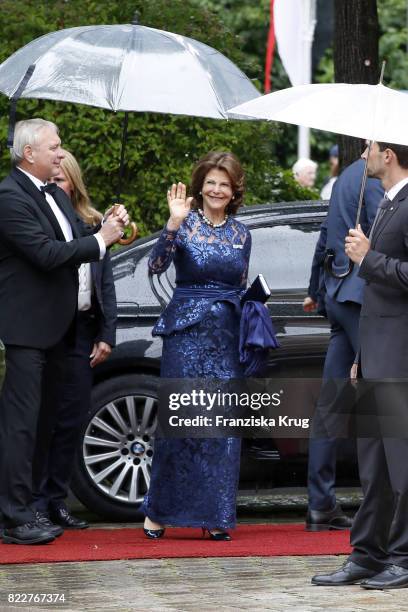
(194,481)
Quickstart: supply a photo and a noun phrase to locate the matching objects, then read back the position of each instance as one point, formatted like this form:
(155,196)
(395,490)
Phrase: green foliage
(393,16)
(161,148)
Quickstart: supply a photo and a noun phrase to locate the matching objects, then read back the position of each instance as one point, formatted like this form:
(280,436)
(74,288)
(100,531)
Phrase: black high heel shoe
(221,536)
(154,534)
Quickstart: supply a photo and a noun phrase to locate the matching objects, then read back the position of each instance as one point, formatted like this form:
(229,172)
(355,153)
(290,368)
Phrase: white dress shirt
(388,195)
(395,189)
(84,272)
(85,287)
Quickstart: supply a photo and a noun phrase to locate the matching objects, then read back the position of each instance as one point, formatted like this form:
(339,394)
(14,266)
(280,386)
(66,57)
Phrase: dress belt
(221,293)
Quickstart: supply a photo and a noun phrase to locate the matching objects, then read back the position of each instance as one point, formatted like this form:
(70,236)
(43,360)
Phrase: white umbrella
(372,112)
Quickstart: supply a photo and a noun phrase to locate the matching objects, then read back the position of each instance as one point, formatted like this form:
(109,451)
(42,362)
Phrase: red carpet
(248,541)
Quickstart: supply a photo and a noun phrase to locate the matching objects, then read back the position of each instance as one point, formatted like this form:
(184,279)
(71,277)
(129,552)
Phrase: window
(283,254)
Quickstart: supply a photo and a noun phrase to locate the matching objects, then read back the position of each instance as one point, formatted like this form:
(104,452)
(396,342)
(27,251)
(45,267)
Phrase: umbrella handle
(328,265)
(132,226)
(133,235)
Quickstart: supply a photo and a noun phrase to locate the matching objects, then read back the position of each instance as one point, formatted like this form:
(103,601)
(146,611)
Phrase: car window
(283,254)
(132,281)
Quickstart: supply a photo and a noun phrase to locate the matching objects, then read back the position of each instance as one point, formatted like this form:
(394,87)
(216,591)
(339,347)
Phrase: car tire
(113,461)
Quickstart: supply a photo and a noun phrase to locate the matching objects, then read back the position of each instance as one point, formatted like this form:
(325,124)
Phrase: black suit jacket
(38,268)
(105,300)
(341,216)
(384,314)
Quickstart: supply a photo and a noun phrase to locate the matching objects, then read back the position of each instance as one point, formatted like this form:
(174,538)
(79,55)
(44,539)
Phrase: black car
(113,462)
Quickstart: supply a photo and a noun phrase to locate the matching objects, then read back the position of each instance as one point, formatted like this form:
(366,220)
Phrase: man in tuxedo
(40,251)
(380,531)
(340,300)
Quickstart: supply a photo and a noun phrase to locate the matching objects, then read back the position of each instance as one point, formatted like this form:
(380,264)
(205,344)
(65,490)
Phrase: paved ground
(184,585)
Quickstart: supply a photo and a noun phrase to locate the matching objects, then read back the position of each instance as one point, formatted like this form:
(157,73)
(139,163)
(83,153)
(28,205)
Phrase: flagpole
(308,28)
(270,48)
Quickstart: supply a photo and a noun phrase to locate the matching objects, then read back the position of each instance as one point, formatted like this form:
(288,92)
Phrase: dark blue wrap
(256,337)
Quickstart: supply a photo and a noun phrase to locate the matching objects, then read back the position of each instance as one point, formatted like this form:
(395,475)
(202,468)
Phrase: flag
(295,22)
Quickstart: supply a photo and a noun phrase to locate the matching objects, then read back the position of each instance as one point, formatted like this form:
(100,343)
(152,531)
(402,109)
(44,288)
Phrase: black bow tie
(49,188)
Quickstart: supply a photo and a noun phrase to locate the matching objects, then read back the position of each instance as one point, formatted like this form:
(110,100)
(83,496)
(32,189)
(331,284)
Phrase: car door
(282,250)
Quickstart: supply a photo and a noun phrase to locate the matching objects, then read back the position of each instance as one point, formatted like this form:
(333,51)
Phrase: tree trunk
(356,34)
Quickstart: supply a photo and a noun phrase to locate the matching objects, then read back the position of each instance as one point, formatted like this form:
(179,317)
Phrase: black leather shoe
(61,516)
(322,520)
(218,536)
(392,577)
(44,522)
(349,573)
(29,533)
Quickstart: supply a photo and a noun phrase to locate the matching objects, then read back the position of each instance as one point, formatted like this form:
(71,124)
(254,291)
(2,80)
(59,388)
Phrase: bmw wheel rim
(118,447)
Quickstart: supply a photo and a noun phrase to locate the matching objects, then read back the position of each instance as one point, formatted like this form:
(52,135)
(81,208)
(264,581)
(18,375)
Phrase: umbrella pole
(122,156)
(13,104)
(133,226)
(364,179)
(329,259)
(363,185)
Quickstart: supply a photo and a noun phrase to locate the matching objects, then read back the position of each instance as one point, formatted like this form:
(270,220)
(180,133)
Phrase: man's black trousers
(59,428)
(33,377)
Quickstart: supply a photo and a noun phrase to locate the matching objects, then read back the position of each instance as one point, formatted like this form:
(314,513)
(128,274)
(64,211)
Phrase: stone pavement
(217,584)
(184,585)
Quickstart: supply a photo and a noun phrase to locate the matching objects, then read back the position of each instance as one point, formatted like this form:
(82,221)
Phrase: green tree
(161,148)
(393,19)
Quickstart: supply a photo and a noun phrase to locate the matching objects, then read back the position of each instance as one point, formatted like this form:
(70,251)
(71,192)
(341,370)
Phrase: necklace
(210,223)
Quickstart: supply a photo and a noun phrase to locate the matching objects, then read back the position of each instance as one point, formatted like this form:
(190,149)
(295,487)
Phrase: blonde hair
(79,198)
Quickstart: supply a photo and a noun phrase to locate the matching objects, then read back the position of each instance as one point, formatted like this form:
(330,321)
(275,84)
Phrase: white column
(308,28)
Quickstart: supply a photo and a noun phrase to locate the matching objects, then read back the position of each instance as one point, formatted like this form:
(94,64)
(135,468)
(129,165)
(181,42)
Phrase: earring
(200,193)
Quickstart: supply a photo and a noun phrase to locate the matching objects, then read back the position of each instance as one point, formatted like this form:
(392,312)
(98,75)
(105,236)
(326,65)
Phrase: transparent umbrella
(126,68)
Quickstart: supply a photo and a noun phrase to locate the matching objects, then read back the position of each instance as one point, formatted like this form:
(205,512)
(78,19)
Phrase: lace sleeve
(246,254)
(162,252)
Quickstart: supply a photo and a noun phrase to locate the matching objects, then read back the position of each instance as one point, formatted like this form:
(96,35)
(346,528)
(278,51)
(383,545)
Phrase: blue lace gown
(194,482)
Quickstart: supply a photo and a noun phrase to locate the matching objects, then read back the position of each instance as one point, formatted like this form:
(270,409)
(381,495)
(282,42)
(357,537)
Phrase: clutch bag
(258,291)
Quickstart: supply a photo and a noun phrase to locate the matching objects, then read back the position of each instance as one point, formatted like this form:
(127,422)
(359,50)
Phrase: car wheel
(113,463)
